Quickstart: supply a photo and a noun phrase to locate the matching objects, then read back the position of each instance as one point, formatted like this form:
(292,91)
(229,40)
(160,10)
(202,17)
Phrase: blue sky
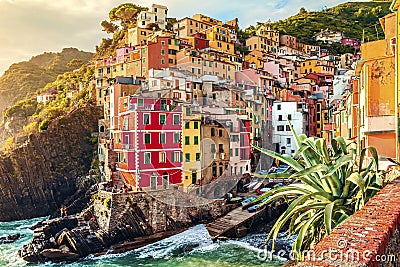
(31,27)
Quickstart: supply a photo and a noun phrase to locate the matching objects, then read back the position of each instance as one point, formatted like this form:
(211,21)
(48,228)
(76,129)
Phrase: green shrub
(107,203)
(44,124)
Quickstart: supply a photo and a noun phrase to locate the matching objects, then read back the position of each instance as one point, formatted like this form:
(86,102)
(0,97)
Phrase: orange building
(377,92)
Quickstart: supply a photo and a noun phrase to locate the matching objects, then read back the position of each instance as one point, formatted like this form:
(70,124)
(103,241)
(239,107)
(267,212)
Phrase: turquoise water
(192,248)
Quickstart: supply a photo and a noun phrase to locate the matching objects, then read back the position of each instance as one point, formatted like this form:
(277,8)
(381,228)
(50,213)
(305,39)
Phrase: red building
(200,41)
(149,142)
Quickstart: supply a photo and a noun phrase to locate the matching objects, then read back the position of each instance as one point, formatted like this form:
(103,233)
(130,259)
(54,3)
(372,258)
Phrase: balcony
(128,147)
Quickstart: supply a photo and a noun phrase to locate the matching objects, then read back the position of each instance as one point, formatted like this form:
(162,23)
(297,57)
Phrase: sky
(31,27)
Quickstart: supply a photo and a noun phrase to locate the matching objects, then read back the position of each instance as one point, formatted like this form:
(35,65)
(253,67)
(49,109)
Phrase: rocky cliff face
(37,178)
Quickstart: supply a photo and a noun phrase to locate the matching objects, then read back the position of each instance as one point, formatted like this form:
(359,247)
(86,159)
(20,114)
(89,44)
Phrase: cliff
(37,177)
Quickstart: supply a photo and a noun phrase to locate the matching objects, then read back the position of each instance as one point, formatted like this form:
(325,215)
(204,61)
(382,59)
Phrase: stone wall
(36,178)
(155,211)
(370,237)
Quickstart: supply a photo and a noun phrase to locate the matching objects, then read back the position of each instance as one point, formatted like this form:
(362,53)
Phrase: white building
(342,81)
(45,98)
(283,138)
(156,14)
(329,37)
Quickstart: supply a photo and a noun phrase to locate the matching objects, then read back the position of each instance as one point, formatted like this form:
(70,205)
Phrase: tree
(75,64)
(302,11)
(332,185)
(109,27)
(126,14)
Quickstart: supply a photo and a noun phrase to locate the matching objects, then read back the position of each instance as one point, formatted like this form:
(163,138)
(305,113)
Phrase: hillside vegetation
(352,18)
(23,79)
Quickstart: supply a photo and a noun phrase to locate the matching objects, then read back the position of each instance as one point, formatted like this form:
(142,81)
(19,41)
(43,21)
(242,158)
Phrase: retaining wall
(370,237)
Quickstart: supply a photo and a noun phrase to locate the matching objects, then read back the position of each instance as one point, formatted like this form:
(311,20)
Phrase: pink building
(148,142)
(351,42)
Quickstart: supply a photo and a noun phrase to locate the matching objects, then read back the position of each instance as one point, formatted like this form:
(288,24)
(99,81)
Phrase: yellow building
(316,66)
(220,39)
(377,92)
(186,27)
(256,58)
(137,36)
(266,40)
(191,139)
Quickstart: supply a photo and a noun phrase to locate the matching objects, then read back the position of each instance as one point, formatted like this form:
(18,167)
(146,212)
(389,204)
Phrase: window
(177,138)
(279,107)
(126,123)
(196,125)
(196,140)
(146,118)
(212,132)
(280,128)
(162,138)
(288,141)
(234,138)
(177,119)
(221,148)
(237,152)
(187,157)
(188,111)
(212,148)
(140,102)
(197,156)
(288,128)
(187,125)
(147,138)
(147,158)
(162,157)
(280,118)
(289,117)
(220,133)
(162,52)
(187,140)
(176,156)
(162,119)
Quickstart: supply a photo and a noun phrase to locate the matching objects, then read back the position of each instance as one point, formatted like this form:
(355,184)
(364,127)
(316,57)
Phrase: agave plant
(330,185)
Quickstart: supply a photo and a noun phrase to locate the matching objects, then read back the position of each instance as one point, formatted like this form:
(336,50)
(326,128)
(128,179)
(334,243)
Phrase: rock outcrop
(39,176)
(128,222)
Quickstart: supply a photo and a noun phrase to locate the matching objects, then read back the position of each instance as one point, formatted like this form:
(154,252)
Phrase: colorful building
(317,66)
(377,97)
(266,40)
(148,142)
(192,164)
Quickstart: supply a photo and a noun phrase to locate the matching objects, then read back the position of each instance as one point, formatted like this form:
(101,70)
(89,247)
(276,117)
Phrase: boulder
(58,255)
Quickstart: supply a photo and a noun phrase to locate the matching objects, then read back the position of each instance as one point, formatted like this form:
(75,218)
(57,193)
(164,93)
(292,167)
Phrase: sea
(192,248)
